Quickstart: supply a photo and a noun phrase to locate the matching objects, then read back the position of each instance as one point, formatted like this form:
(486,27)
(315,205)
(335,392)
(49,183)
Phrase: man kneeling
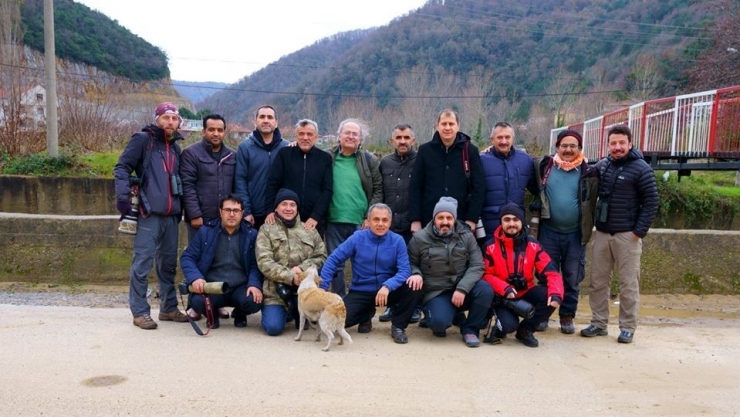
(512,261)
(223,251)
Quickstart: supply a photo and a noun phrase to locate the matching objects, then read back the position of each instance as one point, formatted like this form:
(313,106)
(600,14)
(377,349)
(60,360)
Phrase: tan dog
(325,308)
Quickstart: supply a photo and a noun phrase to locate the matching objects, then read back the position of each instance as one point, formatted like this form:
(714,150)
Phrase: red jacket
(520,255)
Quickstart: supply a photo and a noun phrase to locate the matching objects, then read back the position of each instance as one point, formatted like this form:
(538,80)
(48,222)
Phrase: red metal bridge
(698,131)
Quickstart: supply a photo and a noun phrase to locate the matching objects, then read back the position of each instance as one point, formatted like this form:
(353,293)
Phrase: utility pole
(52,125)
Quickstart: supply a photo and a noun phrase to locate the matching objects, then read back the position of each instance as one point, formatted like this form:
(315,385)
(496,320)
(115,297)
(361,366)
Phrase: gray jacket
(453,263)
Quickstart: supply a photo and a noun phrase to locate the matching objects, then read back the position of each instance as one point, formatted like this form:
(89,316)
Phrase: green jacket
(588,191)
(453,263)
(279,249)
(368,167)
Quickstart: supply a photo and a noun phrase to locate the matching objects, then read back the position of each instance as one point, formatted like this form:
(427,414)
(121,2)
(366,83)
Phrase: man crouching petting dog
(380,274)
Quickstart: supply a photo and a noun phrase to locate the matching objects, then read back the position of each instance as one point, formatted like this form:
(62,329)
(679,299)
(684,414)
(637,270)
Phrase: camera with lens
(129,224)
(208,288)
(521,308)
(517,281)
(284,292)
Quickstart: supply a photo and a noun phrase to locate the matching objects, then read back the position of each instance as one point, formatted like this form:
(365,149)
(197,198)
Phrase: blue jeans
(336,234)
(156,238)
(273,319)
(569,256)
(440,312)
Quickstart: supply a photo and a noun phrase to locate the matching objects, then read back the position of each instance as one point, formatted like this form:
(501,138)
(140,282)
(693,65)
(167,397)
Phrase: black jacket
(628,186)
(309,175)
(396,172)
(205,181)
(439,172)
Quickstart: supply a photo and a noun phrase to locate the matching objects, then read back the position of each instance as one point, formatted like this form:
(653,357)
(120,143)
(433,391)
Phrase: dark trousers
(569,256)
(440,312)
(537,296)
(235,297)
(361,306)
(336,234)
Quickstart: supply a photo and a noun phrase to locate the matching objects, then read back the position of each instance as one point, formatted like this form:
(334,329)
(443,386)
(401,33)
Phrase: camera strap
(209,316)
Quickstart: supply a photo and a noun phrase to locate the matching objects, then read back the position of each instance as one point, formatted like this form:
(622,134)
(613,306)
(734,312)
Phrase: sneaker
(625,336)
(526,336)
(542,326)
(145,322)
(592,331)
(566,325)
(471,340)
(174,315)
(416,317)
(399,335)
(386,316)
(365,327)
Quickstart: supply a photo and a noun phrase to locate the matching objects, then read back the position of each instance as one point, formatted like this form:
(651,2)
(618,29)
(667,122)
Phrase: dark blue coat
(197,258)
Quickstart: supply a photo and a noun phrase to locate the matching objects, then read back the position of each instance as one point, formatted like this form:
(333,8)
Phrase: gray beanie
(447,204)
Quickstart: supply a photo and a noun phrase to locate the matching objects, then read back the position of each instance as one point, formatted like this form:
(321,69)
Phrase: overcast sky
(225,40)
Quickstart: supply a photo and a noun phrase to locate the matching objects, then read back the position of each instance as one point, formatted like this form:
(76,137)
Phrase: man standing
(305,170)
(207,173)
(567,200)
(448,165)
(628,202)
(380,274)
(253,160)
(513,260)
(396,170)
(507,172)
(445,257)
(154,156)
(224,251)
(357,185)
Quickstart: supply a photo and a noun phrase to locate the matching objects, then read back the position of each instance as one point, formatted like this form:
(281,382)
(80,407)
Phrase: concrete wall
(88,249)
(57,195)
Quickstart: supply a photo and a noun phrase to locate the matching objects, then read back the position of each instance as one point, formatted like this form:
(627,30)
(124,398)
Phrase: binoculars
(209,288)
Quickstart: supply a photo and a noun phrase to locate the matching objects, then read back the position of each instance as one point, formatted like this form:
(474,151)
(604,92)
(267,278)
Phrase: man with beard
(567,200)
(154,156)
(513,259)
(445,258)
(253,161)
(306,170)
(628,203)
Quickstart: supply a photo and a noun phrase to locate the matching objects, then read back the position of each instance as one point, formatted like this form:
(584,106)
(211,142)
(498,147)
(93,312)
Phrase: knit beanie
(447,204)
(569,132)
(513,209)
(285,194)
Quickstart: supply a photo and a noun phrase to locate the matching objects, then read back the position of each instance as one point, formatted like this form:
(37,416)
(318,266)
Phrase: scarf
(567,166)
(288,223)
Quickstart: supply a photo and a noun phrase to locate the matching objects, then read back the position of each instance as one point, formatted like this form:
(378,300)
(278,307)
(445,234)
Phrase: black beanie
(286,194)
(514,209)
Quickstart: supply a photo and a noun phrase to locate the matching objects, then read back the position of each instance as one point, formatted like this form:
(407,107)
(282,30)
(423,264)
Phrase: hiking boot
(592,331)
(526,336)
(416,317)
(365,327)
(145,322)
(399,335)
(386,316)
(542,326)
(471,340)
(566,325)
(174,315)
(625,336)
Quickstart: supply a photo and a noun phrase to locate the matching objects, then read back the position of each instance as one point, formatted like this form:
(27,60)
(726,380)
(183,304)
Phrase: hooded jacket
(162,163)
(253,161)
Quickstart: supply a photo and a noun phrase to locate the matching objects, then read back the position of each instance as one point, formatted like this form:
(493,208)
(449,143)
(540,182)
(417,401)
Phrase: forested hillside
(90,37)
(534,62)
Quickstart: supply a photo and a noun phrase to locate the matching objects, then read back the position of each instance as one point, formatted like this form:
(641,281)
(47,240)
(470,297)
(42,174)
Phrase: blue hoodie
(376,261)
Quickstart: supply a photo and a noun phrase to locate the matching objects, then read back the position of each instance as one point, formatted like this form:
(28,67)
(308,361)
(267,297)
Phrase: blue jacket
(506,178)
(197,258)
(253,161)
(376,261)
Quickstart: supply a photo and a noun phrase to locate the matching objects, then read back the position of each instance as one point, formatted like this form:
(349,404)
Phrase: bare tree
(642,81)
(719,64)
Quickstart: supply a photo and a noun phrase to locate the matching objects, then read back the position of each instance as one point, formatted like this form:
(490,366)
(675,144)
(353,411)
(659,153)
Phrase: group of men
(407,223)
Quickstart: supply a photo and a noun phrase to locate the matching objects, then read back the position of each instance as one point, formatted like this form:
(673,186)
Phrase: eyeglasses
(567,146)
(351,134)
(232,211)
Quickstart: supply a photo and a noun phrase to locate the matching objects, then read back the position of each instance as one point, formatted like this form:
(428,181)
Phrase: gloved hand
(123,207)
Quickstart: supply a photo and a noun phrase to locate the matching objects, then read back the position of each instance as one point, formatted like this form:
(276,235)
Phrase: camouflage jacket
(279,249)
